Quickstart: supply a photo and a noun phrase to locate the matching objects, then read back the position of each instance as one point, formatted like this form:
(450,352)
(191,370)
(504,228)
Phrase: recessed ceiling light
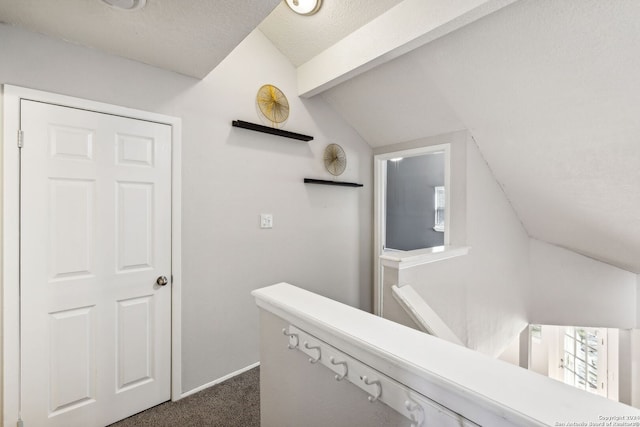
(304,7)
(126,4)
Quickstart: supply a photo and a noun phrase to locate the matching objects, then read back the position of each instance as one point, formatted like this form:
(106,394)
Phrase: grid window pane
(568,377)
(569,344)
(581,354)
(581,368)
(593,381)
(581,335)
(593,358)
(580,383)
(569,362)
(592,339)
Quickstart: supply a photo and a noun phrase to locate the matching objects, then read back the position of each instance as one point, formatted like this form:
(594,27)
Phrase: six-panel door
(95,236)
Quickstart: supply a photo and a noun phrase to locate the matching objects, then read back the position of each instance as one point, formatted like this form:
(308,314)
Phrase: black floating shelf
(272,131)
(324,182)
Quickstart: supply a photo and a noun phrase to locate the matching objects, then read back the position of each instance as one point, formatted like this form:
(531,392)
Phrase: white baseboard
(219,380)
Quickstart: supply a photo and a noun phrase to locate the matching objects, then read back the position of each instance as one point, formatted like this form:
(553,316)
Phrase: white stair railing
(412,373)
(422,314)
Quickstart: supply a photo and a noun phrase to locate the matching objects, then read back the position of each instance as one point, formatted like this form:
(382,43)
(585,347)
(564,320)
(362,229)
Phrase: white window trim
(380,179)
(439,227)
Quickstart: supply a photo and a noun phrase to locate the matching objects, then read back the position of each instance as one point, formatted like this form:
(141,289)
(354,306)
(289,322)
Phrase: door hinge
(20,138)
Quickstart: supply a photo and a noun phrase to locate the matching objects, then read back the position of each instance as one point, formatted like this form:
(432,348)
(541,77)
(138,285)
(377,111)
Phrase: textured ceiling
(300,38)
(187,36)
(548,88)
(550,91)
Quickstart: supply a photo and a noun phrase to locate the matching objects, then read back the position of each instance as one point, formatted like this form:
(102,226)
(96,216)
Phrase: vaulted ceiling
(549,92)
(549,89)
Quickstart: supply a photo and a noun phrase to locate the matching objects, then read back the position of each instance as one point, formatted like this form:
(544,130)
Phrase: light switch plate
(266,221)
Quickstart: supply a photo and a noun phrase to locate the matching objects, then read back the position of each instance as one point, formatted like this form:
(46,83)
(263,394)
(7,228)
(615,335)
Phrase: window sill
(401,260)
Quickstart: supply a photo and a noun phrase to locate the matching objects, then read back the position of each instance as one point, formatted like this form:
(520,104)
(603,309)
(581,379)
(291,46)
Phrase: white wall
(321,238)
(638,301)
(511,354)
(635,368)
(635,352)
(620,365)
(571,289)
(480,296)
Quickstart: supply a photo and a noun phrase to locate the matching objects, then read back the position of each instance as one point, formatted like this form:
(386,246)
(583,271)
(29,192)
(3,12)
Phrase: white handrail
(422,314)
(484,390)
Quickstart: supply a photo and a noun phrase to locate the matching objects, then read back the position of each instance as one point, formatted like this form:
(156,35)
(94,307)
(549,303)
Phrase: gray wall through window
(410,207)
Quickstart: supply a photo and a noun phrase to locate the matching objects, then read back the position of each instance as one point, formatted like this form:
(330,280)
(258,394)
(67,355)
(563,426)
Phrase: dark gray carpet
(235,402)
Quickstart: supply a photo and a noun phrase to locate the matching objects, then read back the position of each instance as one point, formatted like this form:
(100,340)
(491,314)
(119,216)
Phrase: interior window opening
(415,202)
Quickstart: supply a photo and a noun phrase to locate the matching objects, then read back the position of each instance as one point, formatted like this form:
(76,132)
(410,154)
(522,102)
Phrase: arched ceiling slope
(550,91)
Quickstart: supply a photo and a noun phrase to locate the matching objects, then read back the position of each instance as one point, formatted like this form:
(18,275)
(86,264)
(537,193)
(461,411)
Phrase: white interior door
(95,236)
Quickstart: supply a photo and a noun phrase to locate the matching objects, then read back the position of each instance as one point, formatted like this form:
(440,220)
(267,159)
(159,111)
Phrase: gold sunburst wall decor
(335,160)
(273,105)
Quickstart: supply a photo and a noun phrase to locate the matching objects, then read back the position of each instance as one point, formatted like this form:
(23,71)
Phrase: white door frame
(10,120)
(379,212)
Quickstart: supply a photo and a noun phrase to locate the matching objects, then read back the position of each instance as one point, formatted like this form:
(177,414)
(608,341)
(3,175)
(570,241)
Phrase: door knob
(162,280)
